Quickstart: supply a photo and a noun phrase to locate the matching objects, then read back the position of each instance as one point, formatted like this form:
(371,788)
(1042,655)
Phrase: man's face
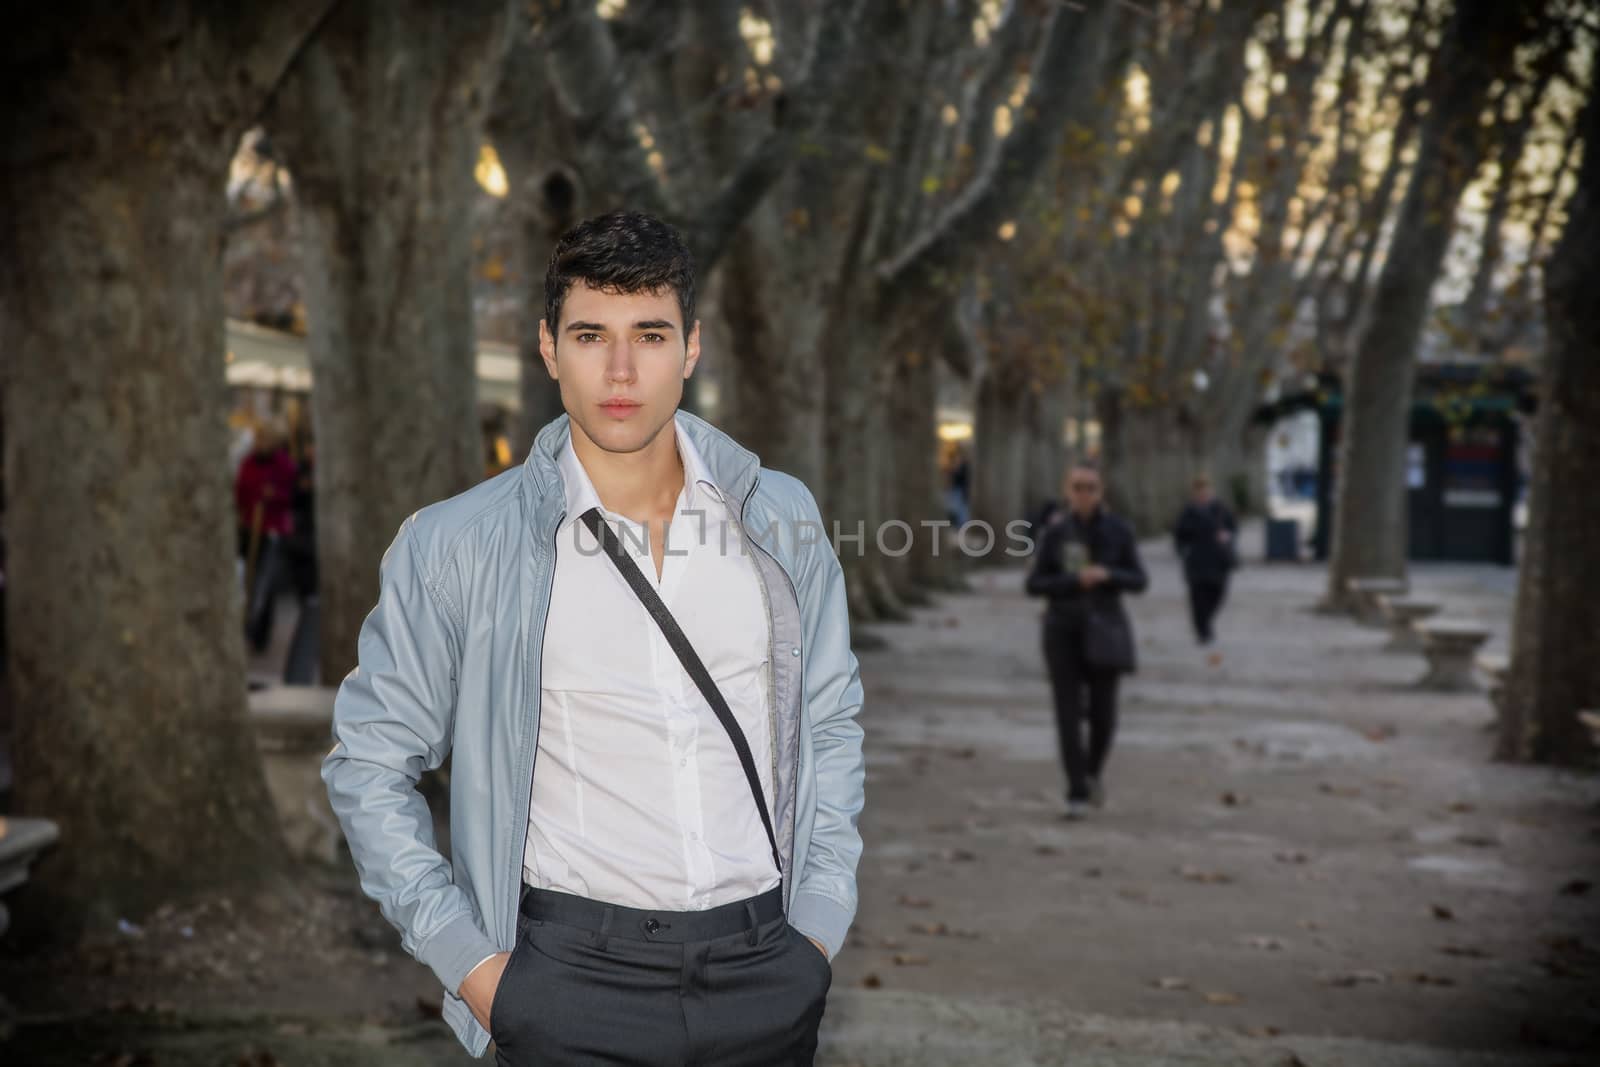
(1083,490)
(621,360)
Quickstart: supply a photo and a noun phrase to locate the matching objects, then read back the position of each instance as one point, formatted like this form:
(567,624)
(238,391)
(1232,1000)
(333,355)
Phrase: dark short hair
(620,252)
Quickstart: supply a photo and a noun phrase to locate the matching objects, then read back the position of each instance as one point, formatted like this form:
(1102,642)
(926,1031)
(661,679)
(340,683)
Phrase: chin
(624,437)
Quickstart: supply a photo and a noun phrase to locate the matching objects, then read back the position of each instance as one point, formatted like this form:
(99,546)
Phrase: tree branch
(1065,76)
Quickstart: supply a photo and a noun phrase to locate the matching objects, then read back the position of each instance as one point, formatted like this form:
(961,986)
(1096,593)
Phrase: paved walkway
(1303,855)
(1306,861)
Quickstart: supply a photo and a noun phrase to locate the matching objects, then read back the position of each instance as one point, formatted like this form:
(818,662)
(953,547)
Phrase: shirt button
(694,835)
(794,652)
(684,762)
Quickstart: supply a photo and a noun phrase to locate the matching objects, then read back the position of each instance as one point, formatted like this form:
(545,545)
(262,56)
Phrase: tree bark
(381,119)
(1369,521)
(1554,670)
(536,145)
(126,664)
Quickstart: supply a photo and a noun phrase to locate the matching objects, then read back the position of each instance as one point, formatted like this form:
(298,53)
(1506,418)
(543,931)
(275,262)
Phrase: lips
(620,408)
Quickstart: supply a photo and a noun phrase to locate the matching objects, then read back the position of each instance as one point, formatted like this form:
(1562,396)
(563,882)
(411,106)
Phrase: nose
(619,363)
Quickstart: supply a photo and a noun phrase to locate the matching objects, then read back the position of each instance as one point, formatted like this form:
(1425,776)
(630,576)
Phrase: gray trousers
(592,983)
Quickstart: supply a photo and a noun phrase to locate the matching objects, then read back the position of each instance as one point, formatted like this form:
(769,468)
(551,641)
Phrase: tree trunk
(773,394)
(1046,459)
(1369,520)
(126,665)
(535,143)
(1000,445)
(1554,670)
(381,119)
(1149,456)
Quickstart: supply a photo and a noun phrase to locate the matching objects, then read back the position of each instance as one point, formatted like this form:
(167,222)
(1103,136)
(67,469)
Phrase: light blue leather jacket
(449,664)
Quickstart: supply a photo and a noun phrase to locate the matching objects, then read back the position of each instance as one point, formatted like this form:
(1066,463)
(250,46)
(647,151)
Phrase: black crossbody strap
(691,662)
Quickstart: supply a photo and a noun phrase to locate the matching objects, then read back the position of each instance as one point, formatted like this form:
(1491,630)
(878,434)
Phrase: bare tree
(1369,521)
(380,119)
(126,667)
(1554,670)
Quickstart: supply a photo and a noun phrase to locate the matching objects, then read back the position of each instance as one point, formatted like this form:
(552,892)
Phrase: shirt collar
(581,494)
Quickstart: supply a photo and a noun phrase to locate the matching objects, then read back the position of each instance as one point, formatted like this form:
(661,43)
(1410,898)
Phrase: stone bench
(1495,670)
(21,841)
(1402,613)
(1450,645)
(294,730)
(1364,593)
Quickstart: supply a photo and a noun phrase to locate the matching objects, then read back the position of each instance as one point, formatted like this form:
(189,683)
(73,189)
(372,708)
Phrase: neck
(640,485)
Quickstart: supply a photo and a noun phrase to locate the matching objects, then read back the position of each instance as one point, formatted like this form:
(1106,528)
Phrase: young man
(1085,560)
(625,884)
(1203,536)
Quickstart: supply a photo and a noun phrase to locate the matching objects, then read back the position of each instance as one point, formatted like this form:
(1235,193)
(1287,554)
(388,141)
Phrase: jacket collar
(728,465)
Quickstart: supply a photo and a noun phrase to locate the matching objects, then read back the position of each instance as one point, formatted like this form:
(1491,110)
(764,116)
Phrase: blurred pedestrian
(302,538)
(958,488)
(263,495)
(1085,560)
(1204,535)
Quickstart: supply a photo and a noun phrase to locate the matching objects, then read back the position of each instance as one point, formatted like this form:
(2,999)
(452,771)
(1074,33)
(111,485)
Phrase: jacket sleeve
(825,896)
(1128,574)
(1046,578)
(1182,534)
(392,721)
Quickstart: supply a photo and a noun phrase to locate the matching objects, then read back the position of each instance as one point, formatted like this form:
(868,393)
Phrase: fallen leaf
(1265,943)
(1465,952)
(1194,874)
(1443,913)
(1214,660)
(1378,733)
(1290,857)
(909,959)
(1231,799)
(957,855)
(891,943)
(1223,998)
(1423,978)
(1261,1031)
(1170,983)
(1047,850)
(1576,888)
(1477,841)
(871,981)
(934,929)
(1354,978)
(914,902)
(1461,807)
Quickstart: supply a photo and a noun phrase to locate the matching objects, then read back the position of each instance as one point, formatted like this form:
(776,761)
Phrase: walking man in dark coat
(1204,536)
(1085,560)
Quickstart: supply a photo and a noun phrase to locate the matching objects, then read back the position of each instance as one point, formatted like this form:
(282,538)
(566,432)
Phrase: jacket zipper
(527,816)
(786,878)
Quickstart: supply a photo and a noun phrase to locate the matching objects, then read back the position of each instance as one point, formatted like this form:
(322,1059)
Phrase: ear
(547,349)
(692,350)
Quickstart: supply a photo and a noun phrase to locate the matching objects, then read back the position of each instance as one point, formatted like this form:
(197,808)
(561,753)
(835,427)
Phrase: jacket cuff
(454,950)
(821,918)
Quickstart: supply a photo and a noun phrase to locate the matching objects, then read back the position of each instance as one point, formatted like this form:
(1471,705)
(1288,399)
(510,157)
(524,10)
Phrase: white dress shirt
(638,797)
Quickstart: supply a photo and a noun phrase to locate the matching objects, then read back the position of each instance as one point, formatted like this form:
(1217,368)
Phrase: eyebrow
(597,327)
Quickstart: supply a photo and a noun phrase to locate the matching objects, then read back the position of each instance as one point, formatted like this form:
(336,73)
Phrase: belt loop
(750,915)
(601,940)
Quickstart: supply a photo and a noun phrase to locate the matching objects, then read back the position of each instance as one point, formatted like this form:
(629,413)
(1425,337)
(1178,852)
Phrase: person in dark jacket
(1204,536)
(1085,559)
